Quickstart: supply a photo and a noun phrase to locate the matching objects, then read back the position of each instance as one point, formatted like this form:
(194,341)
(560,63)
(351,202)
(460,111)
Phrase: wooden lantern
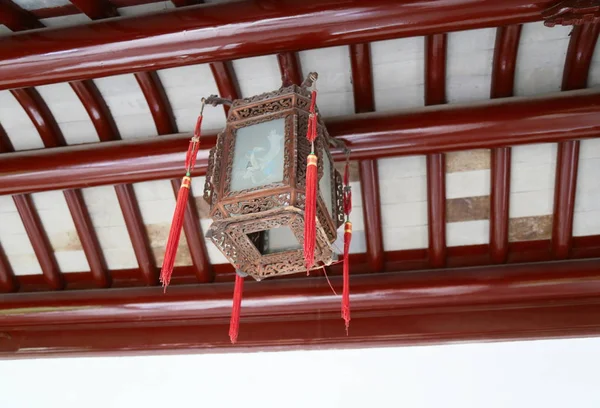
(255,185)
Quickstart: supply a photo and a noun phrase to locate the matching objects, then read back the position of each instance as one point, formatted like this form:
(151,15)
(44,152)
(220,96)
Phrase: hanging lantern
(275,197)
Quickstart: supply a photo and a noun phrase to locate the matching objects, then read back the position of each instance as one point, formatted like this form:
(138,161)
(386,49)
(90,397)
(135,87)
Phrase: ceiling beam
(226,81)
(231,30)
(575,75)
(8,280)
(502,86)
(509,122)
(490,302)
(364,101)
(96,9)
(435,94)
(289,66)
(16,18)
(52,136)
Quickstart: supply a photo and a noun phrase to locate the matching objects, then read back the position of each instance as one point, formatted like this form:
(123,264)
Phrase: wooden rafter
(51,136)
(502,86)
(435,94)
(226,81)
(107,130)
(289,66)
(575,75)
(96,9)
(362,84)
(16,18)
(8,281)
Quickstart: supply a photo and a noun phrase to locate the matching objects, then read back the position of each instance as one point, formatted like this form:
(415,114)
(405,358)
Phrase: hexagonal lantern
(255,185)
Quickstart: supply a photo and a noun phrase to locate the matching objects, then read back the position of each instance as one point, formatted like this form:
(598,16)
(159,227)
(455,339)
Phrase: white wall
(558,373)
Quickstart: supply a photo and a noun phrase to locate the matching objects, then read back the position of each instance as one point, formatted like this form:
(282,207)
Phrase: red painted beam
(509,122)
(226,81)
(575,75)
(165,124)
(107,130)
(40,115)
(224,31)
(98,111)
(362,84)
(503,79)
(289,66)
(435,69)
(507,301)
(39,241)
(435,94)
(159,105)
(8,281)
(16,18)
(362,78)
(51,135)
(96,9)
(369,184)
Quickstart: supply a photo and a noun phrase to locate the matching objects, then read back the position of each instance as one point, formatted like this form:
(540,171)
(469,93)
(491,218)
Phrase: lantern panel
(258,155)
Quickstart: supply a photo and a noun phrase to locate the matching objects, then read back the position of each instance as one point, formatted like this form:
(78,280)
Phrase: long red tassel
(234,323)
(310,205)
(347,240)
(182,200)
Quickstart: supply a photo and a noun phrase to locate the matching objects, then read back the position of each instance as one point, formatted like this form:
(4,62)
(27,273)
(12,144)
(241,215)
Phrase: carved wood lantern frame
(254,215)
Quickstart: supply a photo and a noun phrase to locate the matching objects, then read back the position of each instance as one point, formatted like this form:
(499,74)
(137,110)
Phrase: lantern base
(268,243)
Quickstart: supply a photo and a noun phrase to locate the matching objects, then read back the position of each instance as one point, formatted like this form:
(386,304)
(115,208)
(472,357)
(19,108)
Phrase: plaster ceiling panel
(398,73)
(467,197)
(14,240)
(541,59)
(157,203)
(469,65)
(40,4)
(145,8)
(21,131)
(66,21)
(532,179)
(110,228)
(587,196)
(128,105)
(185,87)
(335,97)
(594,74)
(257,75)
(71,116)
(56,219)
(403,194)
(4,30)
(214,254)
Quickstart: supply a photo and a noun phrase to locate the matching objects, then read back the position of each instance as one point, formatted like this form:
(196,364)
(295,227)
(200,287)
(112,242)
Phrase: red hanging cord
(234,323)
(310,205)
(182,200)
(347,240)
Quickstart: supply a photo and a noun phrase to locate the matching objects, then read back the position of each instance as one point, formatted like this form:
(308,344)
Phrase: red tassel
(347,240)
(234,323)
(310,212)
(346,287)
(182,200)
(310,204)
(175,232)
